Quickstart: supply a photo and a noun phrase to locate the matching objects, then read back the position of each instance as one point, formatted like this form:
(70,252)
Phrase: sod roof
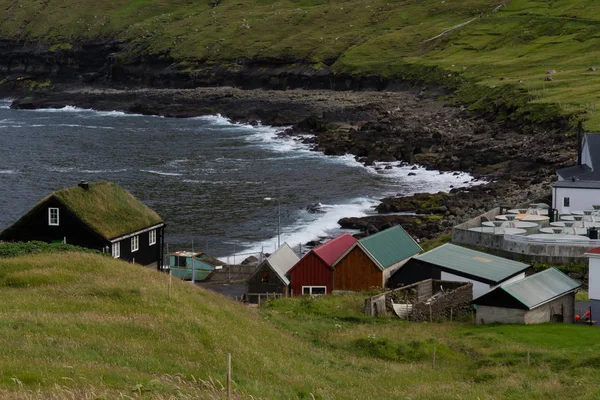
(107,208)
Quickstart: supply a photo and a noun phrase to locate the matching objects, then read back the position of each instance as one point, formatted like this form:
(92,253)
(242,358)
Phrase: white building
(578,187)
(594,282)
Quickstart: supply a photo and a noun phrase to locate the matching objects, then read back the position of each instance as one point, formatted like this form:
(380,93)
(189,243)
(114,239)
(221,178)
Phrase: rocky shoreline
(412,127)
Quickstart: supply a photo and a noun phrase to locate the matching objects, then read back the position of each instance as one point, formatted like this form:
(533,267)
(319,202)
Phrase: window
(116,249)
(152,237)
(314,290)
(53,216)
(135,243)
(566,201)
(265,276)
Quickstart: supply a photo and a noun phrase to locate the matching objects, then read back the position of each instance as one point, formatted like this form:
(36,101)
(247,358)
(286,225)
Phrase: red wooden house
(313,274)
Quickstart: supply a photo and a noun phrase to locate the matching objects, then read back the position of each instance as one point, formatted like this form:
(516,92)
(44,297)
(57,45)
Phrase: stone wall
(455,301)
(452,304)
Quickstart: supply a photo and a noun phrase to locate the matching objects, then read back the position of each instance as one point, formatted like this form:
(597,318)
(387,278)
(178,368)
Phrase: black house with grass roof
(101,216)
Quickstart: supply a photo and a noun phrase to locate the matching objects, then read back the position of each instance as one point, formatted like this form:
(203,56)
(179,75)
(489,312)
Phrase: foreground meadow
(77,325)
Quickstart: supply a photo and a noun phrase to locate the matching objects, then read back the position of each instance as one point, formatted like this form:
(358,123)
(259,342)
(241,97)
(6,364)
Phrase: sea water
(207,177)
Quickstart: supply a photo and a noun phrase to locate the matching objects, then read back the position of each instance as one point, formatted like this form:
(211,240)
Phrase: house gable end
(34,225)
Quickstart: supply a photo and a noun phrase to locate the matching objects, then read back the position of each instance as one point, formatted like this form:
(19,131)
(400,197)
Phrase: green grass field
(512,47)
(79,325)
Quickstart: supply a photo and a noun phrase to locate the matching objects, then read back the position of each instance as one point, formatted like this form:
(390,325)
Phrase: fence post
(450,314)
(430,315)
(228,376)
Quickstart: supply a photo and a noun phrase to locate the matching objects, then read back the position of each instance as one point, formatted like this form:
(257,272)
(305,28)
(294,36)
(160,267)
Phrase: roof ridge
(395,227)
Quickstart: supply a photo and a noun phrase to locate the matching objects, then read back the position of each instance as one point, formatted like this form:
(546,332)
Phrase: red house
(313,274)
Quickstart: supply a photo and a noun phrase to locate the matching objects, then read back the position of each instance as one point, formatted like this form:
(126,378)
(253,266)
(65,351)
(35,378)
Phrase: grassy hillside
(86,326)
(514,46)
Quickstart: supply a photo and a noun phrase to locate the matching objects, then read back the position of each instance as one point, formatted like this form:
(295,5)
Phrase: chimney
(579,140)
(84,185)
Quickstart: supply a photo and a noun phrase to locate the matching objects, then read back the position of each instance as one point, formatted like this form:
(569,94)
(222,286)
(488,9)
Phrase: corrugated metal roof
(474,263)
(329,252)
(391,246)
(282,261)
(541,287)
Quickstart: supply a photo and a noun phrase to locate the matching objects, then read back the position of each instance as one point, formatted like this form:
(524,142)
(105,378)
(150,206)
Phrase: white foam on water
(73,109)
(312,226)
(231,183)
(102,171)
(8,171)
(61,169)
(5,103)
(407,180)
(150,171)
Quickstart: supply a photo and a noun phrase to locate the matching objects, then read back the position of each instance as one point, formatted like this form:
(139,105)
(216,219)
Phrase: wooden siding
(72,229)
(411,272)
(311,271)
(265,280)
(356,271)
(35,227)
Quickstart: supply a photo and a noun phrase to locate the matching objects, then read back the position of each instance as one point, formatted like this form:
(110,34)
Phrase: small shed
(455,263)
(313,274)
(270,276)
(190,266)
(548,296)
(369,262)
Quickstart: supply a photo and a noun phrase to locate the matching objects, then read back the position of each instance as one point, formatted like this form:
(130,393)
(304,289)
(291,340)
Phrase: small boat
(189,266)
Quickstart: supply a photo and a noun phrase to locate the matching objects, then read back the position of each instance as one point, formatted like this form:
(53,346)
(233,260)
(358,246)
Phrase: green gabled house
(101,216)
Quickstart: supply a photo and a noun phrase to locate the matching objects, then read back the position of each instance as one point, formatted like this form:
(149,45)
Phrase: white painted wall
(581,199)
(479,288)
(594,278)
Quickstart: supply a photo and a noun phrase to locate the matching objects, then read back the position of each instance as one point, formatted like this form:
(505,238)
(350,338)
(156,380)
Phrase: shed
(369,262)
(455,263)
(101,216)
(190,266)
(313,274)
(548,296)
(270,275)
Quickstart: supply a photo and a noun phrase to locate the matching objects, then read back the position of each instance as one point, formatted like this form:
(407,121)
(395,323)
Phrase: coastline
(388,127)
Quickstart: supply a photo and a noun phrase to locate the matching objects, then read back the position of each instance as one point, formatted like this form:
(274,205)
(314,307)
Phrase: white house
(594,282)
(578,187)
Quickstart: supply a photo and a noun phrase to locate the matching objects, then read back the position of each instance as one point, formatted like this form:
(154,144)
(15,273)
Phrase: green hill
(78,325)
(497,47)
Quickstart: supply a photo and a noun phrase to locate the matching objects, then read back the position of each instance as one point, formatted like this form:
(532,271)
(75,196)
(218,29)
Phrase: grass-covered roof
(108,209)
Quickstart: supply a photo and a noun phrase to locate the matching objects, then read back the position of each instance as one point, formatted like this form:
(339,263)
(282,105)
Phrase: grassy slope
(83,325)
(519,43)
(471,361)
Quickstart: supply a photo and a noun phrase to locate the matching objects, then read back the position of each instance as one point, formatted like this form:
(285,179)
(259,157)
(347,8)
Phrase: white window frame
(311,289)
(135,243)
(116,249)
(152,237)
(51,220)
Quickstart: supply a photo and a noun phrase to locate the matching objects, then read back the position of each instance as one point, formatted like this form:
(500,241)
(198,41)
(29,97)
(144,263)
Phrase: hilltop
(518,59)
(81,325)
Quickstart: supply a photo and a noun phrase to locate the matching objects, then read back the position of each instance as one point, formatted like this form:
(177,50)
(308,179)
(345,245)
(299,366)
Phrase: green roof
(463,261)
(108,209)
(541,287)
(390,246)
(105,207)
